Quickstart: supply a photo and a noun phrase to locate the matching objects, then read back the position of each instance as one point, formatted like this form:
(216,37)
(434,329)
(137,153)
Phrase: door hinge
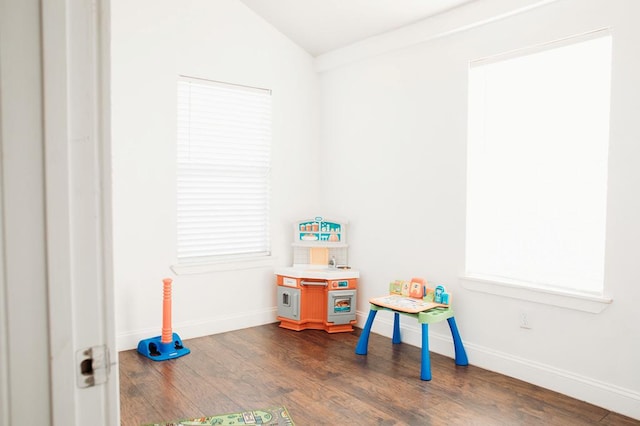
(93,366)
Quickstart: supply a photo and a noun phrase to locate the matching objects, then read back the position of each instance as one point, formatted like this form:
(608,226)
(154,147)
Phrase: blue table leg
(425,365)
(461,354)
(396,329)
(363,341)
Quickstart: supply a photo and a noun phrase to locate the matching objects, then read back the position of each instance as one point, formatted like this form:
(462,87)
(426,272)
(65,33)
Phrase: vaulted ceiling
(320,26)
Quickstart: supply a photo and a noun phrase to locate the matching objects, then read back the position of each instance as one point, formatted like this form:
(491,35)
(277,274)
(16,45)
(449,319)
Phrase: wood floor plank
(321,381)
(134,404)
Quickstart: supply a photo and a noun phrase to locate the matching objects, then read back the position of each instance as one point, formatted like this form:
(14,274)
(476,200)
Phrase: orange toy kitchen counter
(317,298)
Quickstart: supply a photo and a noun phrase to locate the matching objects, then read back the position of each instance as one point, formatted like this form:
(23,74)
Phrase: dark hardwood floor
(321,381)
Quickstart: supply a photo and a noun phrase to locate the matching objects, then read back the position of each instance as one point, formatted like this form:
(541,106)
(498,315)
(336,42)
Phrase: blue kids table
(425,318)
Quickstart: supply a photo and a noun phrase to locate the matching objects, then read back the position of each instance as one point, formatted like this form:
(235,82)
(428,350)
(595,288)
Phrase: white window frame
(223,183)
(563,297)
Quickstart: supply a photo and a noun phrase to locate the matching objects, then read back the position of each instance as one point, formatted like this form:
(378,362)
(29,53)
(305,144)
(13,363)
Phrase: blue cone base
(154,349)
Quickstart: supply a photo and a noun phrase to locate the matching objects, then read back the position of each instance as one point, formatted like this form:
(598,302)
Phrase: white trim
(55,109)
(76,98)
(216,83)
(472,15)
(563,299)
(529,50)
(24,380)
(4,330)
(199,328)
(104,153)
(606,395)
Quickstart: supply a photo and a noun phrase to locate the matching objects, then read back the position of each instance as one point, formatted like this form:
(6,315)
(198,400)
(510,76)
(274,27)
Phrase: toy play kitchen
(319,291)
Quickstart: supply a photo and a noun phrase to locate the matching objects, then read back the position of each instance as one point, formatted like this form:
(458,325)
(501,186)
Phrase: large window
(537,165)
(224,139)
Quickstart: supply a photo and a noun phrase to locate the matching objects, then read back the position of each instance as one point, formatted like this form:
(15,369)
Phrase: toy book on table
(412,296)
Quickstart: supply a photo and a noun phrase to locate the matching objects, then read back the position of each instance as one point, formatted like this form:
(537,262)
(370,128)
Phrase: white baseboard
(205,327)
(611,397)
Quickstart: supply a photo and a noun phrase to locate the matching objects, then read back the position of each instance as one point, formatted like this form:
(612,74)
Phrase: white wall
(389,155)
(152,43)
(398,119)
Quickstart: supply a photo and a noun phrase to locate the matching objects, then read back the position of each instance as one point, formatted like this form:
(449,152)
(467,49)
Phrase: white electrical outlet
(525,321)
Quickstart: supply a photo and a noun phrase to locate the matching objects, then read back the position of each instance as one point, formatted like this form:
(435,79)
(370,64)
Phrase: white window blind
(224,141)
(537,166)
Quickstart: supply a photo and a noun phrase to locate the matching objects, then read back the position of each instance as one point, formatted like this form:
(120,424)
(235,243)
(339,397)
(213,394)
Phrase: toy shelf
(318,232)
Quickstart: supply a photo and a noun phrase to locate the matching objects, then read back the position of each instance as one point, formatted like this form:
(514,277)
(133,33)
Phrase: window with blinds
(224,141)
(537,165)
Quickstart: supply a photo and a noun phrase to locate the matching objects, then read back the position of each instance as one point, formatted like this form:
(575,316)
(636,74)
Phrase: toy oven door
(341,306)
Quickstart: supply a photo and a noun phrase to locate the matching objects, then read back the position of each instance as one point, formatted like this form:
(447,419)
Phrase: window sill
(226,265)
(564,299)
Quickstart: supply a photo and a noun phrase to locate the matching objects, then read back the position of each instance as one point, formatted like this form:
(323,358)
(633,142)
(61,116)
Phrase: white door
(57,330)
